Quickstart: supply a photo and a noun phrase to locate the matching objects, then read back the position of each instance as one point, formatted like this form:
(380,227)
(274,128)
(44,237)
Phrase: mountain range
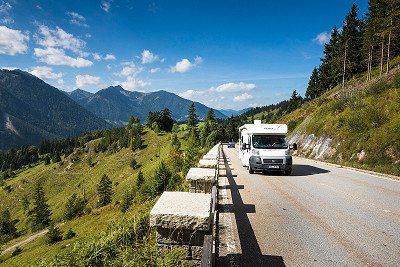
(115,104)
(32,110)
(232,112)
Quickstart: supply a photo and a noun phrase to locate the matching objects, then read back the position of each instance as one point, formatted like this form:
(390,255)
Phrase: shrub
(54,234)
(104,189)
(69,234)
(139,180)
(16,251)
(162,177)
(74,206)
(127,200)
(134,165)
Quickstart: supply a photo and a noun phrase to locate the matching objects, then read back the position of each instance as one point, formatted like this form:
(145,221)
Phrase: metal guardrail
(208,254)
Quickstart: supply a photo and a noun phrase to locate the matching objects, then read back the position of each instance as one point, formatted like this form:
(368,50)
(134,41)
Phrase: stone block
(208,163)
(201,174)
(182,210)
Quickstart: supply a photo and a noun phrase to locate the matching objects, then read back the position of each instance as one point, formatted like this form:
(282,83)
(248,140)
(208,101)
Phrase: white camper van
(263,147)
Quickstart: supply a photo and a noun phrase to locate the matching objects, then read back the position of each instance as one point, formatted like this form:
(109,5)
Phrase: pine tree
(175,155)
(313,88)
(329,72)
(139,180)
(8,230)
(350,44)
(74,207)
(54,234)
(137,142)
(162,177)
(192,117)
(165,121)
(210,115)
(294,102)
(40,213)
(104,190)
(126,200)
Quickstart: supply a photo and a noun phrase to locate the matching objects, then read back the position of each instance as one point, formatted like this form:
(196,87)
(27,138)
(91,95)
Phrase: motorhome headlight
(255,152)
(257,160)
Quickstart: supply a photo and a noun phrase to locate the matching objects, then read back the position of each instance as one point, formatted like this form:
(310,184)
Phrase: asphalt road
(321,215)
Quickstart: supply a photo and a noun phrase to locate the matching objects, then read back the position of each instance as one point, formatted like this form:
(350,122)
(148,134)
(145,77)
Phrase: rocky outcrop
(312,146)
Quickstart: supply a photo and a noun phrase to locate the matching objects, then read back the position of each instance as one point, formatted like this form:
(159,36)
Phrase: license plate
(273,167)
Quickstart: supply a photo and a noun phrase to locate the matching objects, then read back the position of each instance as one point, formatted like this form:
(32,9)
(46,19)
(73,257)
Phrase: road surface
(321,215)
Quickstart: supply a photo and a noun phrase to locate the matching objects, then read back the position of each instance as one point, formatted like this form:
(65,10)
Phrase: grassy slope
(61,183)
(362,116)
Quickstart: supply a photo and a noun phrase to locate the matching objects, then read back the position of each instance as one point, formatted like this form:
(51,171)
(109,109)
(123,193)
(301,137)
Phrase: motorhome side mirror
(244,146)
(293,146)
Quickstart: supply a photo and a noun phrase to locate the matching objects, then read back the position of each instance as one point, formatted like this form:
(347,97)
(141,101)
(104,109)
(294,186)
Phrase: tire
(251,171)
(287,172)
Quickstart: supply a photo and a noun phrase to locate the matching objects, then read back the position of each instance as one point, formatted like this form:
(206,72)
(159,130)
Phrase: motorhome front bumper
(270,164)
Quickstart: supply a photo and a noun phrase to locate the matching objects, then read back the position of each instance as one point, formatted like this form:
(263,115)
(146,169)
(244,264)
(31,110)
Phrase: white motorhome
(263,147)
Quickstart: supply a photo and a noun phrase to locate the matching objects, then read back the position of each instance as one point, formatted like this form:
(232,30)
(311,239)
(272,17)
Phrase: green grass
(60,182)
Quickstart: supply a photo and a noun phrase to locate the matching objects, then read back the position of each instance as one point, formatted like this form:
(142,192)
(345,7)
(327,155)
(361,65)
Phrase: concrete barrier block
(208,163)
(201,174)
(182,210)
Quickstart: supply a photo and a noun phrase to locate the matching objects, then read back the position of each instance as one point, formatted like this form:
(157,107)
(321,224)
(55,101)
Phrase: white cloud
(84,80)
(192,94)
(216,96)
(132,84)
(44,72)
(185,65)
(5,13)
(110,57)
(148,57)
(12,42)
(234,87)
(322,38)
(154,70)
(129,69)
(77,19)
(55,42)
(8,68)
(61,39)
(56,56)
(242,97)
(96,56)
(105,5)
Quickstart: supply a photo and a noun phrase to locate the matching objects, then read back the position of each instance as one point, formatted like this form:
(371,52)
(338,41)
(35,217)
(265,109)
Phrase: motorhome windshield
(269,142)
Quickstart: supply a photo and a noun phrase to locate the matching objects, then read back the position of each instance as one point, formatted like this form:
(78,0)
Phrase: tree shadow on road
(306,170)
(251,252)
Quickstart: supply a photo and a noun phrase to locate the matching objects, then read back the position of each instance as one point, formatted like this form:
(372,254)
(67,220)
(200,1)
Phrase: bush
(134,165)
(74,207)
(162,177)
(104,189)
(139,180)
(54,234)
(69,234)
(16,251)
(126,200)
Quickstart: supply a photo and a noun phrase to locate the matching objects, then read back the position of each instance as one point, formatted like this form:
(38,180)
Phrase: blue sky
(225,54)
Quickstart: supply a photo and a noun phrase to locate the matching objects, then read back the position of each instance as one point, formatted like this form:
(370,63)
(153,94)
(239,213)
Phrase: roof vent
(257,122)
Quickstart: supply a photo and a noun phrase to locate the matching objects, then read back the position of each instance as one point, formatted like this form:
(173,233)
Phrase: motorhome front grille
(273,161)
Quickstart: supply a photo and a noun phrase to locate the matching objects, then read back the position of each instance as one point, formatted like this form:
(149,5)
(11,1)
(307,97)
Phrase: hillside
(116,105)
(78,174)
(358,125)
(31,110)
